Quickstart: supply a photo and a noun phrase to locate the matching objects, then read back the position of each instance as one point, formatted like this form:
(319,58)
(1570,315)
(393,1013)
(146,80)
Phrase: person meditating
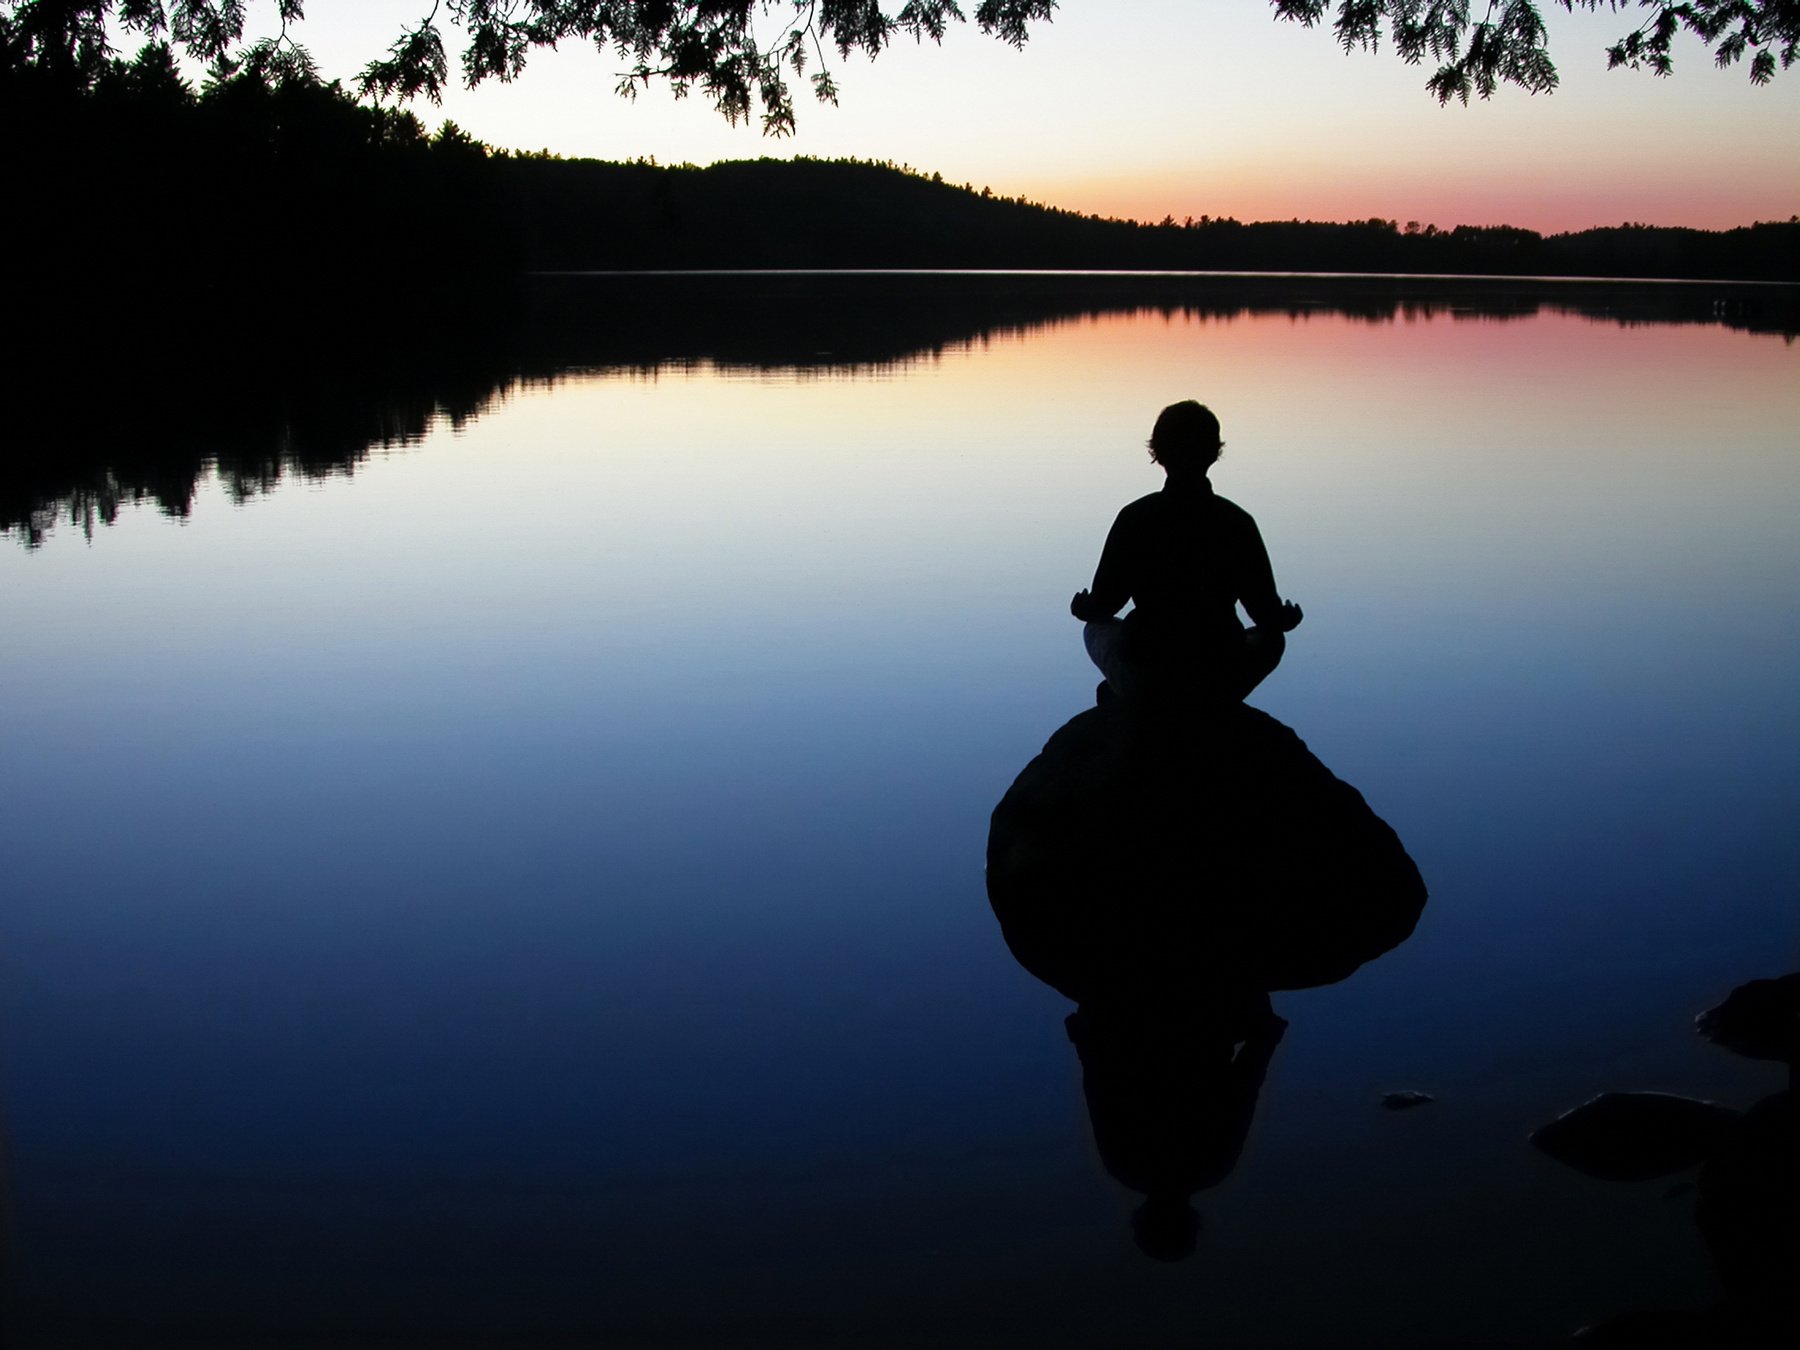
(1185,557)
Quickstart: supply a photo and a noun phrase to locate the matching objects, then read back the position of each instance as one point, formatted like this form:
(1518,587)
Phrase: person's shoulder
(1230,510)
(1143,508)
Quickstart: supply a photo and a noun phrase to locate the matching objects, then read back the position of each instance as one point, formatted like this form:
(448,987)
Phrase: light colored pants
(1234,673)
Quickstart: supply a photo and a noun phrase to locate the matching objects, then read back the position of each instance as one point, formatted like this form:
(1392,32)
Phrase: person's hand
(1081,604)
(1290,616)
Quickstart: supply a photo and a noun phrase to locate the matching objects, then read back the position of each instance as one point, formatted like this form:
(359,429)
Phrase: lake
(494,847)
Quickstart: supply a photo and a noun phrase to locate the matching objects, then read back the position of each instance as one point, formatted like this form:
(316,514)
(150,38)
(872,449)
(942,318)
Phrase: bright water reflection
(533,888)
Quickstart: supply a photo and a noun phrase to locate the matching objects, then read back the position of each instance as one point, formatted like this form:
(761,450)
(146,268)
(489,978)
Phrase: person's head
(1185,438)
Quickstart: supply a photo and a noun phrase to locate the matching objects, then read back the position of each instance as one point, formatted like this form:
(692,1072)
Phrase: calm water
(528,890)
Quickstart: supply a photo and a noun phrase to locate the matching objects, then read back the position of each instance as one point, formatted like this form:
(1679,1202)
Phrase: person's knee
(1101,638)
(1268,643)
(1262,652)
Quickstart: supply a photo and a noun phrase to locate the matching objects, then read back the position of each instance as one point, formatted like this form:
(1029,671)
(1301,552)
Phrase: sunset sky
(1198,107)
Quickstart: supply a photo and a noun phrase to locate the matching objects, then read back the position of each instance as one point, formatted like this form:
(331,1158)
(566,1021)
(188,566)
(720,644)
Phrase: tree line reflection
(310,401)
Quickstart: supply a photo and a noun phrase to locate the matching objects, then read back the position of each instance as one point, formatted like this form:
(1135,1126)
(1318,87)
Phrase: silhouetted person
(1185,558)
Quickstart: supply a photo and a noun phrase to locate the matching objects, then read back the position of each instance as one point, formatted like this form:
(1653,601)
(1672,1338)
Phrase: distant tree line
(264,200)
(584,214)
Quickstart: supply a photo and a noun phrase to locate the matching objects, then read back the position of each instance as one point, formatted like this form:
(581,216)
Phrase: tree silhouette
(1508,43)
(743,55)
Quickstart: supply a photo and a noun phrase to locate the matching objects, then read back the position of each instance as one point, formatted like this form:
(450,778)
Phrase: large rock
(1145,853)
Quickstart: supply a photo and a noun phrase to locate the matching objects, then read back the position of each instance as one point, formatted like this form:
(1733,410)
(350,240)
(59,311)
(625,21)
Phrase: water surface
(519,880)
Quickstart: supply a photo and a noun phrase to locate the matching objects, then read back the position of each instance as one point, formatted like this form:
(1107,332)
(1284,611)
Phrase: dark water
(499,860)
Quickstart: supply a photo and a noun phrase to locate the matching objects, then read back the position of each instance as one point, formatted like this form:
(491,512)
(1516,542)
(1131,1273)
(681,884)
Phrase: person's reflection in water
(1171,1090)
(1184,558)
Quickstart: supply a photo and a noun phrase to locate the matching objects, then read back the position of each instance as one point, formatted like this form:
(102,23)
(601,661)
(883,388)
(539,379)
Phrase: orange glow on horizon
(1563,204)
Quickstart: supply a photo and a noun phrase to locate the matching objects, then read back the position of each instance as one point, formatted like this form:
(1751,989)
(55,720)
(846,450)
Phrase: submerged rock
(1747,1196)
(1634,1136)
(1652,1329)
(1748,1210)
(1760,1019)
(1139,853)
(1405,1100)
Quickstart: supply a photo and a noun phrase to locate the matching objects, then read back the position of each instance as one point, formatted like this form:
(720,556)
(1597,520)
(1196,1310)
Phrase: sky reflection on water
(534,887)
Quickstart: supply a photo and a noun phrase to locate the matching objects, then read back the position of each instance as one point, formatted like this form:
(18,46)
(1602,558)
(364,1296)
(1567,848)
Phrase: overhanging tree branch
(741,54)
(1508,44)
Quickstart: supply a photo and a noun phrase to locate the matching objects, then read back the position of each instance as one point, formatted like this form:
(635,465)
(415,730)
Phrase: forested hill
(139,202)
(584,214)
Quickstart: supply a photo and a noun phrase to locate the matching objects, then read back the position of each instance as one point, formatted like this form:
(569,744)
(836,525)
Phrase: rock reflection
(1168,875)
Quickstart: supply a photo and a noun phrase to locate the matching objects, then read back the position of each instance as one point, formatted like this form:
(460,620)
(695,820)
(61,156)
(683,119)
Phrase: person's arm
(1112,586)
(1256,586)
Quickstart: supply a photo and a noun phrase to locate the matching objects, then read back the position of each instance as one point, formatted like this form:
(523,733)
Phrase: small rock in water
(1634,1136)
(1760,1019)
(1405,1101)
